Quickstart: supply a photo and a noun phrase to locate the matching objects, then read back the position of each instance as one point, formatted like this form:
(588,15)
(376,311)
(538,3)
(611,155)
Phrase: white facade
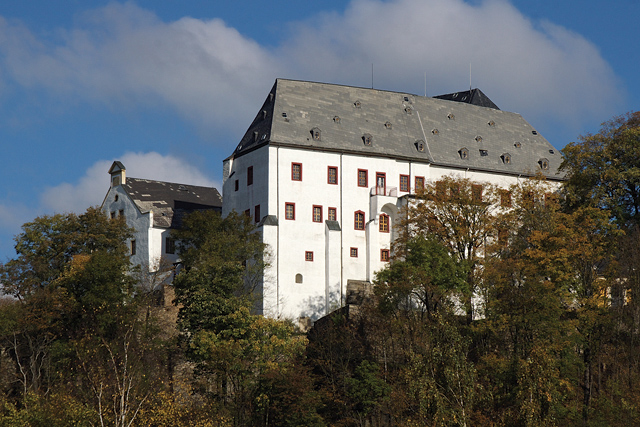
(291,184)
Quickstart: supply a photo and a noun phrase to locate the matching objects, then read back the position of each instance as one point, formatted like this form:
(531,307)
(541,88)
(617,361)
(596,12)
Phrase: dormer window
(408,110)
(450,116)
(435,131)
(478,138)
(464,153)
(484,153)
(506,158)
(315,134)
(357,104)
(255,136)
(387,125)
(420,146)
(517,144)
(336,119)
(544,164)
(264,114)
(491,123)
(367,139)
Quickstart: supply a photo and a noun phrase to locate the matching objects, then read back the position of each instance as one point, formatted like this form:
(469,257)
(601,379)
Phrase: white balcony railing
(384,191)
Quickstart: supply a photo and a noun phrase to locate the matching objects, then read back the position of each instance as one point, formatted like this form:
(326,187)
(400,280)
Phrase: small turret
(118,174)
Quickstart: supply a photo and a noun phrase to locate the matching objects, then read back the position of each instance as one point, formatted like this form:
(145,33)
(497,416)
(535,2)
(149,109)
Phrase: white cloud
(540,70)
(92,187)
(123,55)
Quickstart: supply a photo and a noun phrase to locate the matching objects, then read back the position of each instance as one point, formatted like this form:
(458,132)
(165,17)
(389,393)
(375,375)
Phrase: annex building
(324,169)
(153,209)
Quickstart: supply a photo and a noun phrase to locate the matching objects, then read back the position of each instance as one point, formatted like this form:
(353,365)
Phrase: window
(250,175)
(256,213)
(121,212)
(315,133)
(332,214)
(367,139)
(289,211)
(384,255)
(133,247)
(464,153)
(505,198)
(332,175)
(169,245)
(298,278)
(383,223)
(317,213)
(419,186)
(503,237)
(113,214)
(404,183)
(296,171)
(247,212)
(476,193)
(354,252)
(308,256)
(544,164)
(441,190)
(236,185)
(381,183)
(358,220)
(363,178)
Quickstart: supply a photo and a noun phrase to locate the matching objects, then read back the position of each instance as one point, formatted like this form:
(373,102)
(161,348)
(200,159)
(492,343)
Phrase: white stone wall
(324,279)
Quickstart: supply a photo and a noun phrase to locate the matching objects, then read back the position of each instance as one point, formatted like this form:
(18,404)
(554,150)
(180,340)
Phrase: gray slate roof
(395,123)
(169,201)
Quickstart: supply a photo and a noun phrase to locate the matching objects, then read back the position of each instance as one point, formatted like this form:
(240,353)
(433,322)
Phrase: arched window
(298,278)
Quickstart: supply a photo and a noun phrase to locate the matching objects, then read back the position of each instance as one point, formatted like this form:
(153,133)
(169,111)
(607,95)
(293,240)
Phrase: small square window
(308,256)
(249,175)
(404,183)
(317,213)
(290,211)
(354,252)
(332,214)
(296,171)
(363,178)
(505,198)
(385,255)
(332,175)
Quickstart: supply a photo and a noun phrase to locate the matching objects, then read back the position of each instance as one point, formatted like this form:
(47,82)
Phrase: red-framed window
(256,213)
(316,214)
(476,193)
(332,175)
(308,255)
(381,183)
(363,178)
(419,185)
(296,171)
(290,211)
(404,183)
(353,252)
(385,255)
(236,185)
(505,198)
(358,220)
(332,214)
(383,223)
(250,175)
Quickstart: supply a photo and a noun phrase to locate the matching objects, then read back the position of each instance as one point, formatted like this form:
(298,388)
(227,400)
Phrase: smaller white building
(153,209)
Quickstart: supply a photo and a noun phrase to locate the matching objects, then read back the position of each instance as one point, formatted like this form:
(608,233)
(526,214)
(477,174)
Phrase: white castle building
(323,171)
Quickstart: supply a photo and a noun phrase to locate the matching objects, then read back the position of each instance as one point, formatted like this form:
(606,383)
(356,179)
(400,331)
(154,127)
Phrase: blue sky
(169,87)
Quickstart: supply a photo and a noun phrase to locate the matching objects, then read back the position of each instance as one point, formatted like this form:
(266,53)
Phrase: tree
(603,169)
(461,215)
